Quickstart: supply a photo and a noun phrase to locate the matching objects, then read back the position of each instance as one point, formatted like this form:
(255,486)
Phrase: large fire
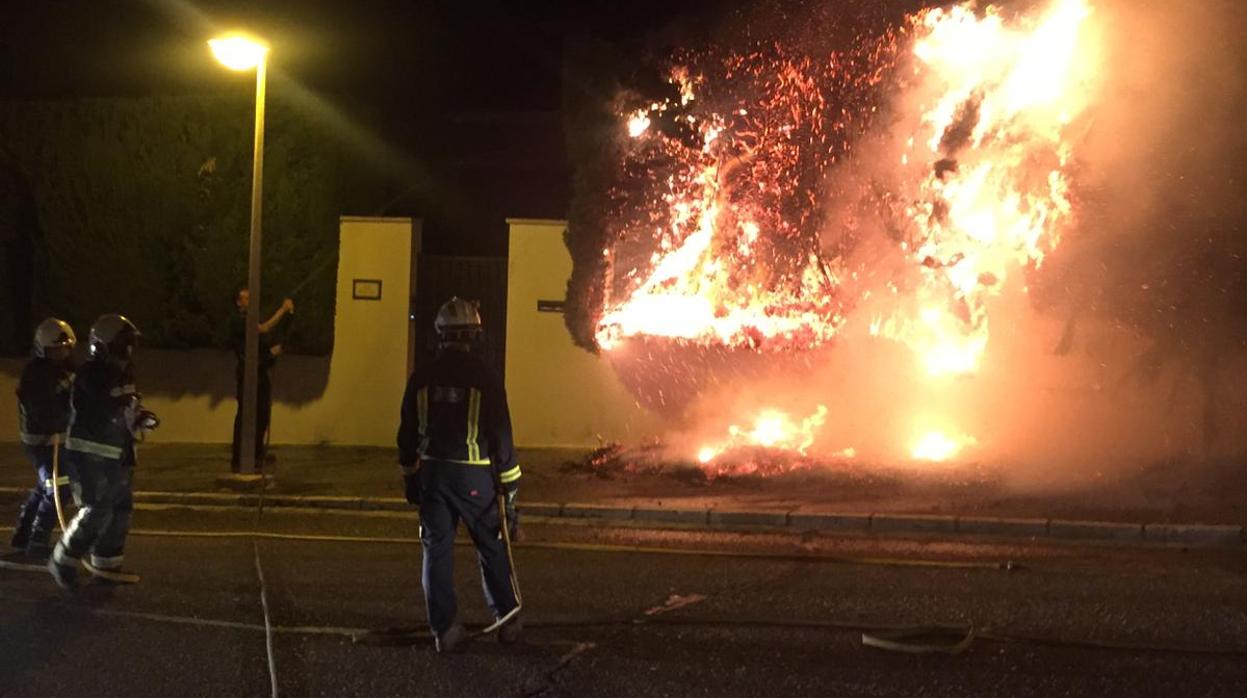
(731,252)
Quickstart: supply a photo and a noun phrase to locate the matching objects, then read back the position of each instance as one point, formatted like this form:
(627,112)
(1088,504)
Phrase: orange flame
(937,446)
(984,185)
(772,429)
(998,197)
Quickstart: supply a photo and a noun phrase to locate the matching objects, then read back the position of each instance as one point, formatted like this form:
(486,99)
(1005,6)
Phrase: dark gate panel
(481,279)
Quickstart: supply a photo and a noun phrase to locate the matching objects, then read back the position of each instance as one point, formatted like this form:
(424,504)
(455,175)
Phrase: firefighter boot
(38,548)
(21,538)
(64,569)
(25,518)
(452,640)
(510,633)
(38,545)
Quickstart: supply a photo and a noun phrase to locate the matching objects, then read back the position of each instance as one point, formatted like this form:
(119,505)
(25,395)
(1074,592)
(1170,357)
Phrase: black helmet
(53,332)
(458,320)
(113,336)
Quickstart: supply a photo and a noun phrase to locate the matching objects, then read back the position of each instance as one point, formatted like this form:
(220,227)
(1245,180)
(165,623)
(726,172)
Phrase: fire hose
(922,639)
(931,639)
(269,649)
(56,484)
(909,639)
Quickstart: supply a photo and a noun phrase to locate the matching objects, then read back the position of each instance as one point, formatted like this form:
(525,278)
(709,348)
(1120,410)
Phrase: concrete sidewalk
(562,484)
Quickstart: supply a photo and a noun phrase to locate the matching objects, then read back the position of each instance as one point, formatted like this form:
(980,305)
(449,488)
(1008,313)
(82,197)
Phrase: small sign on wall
(366,289)
(550,306)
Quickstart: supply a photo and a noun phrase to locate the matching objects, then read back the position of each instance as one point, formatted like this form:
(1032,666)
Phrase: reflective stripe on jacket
(455,410)
(103,396)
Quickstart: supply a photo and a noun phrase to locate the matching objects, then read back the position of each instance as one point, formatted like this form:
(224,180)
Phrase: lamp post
(238,52)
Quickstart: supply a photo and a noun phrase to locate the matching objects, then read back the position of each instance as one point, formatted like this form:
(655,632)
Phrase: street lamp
(239,52)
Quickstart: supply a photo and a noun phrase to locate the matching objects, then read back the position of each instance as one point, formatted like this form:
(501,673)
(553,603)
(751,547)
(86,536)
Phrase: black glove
(411,488)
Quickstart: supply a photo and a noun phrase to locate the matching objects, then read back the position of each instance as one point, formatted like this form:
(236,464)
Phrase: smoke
(1125,347)
(1142,306)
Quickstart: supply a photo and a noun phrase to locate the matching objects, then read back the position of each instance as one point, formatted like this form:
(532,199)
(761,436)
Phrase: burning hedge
(908,188)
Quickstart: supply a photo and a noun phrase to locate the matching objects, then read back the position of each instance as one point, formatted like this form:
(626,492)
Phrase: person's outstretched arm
(287,306)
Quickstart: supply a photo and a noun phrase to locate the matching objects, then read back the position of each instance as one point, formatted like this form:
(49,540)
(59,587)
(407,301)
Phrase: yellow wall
(560,395)
(367,371)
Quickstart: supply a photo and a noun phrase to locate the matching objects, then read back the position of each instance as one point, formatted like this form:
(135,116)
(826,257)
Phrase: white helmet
(458,319)
(53,332)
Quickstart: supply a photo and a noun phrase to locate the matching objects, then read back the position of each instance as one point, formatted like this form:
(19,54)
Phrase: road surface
(763,614)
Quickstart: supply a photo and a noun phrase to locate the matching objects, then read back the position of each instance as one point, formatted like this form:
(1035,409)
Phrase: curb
(1196,534)
(987,526)
(909,523)
(1212,535)
(1094,530)
(851,523)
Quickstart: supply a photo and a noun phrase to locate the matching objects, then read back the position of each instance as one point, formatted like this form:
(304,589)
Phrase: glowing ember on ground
(724,244)
(772,429)
(938,446)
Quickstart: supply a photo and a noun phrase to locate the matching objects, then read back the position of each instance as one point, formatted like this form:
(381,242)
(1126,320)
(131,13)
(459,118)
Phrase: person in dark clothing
(455,449)
(107,420)
(269,351)
(43,416)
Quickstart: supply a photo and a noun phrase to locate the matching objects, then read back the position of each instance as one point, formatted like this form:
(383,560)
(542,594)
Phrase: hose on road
(907,638)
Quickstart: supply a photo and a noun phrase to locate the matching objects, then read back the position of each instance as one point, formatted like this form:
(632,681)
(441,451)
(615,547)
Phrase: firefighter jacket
(455,410)
(104,407)
(43,401)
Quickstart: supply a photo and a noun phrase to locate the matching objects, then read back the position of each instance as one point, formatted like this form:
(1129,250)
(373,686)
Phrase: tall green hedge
(143,207)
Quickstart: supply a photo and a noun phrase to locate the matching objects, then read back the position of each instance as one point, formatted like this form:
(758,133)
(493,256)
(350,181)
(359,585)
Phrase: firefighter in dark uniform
(108,418)
(43,416)
(456,450)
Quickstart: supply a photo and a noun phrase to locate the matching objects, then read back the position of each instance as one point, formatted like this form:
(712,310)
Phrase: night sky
(469,92)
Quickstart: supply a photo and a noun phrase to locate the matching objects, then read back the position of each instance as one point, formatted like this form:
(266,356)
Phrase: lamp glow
(238,52)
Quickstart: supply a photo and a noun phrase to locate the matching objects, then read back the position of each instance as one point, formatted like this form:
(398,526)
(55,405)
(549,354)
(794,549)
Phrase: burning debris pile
(774,204)
(614,461)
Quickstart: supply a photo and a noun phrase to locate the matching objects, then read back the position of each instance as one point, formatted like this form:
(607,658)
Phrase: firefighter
(43,415)
(108,417)
(456,451)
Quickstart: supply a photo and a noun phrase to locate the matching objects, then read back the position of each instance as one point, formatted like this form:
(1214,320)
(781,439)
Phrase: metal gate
(482,279)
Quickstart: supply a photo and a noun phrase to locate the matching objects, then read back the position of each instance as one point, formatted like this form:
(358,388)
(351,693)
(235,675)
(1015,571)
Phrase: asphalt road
(765,615)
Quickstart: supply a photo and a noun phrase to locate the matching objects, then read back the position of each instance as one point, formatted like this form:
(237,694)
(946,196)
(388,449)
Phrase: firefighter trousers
(103,521)
(37,517)
(449,493)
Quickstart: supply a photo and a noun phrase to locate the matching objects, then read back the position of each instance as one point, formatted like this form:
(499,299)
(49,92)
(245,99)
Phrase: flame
(721,246)
(638,124)
(937,446)
(997,198)
(712,268)
(772,429)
